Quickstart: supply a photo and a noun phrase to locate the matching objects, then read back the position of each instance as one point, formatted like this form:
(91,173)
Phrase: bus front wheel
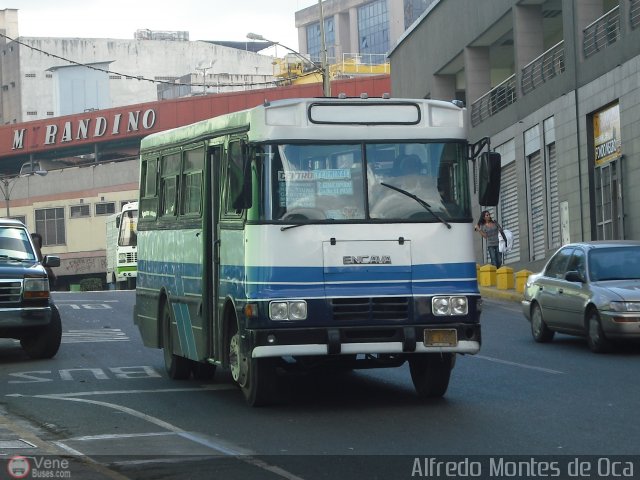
(430,373)
(255,376)
(178,368)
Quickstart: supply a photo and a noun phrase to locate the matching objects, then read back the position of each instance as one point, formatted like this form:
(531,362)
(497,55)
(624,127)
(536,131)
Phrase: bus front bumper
(455,338)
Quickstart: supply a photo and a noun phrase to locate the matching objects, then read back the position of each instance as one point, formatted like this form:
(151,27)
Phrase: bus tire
(177,367)
(430,373)
(46,341)
(255,376)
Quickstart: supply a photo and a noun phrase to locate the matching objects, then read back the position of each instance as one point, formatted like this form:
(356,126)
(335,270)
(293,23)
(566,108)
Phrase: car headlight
(449,306)
(36,288)
(625,306)
(288,310)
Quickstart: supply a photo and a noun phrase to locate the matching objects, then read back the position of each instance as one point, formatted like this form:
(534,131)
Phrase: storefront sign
(606,134)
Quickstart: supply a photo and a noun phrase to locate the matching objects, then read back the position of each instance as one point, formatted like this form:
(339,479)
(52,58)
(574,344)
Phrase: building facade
(362,30)
(555,86)
(48,77)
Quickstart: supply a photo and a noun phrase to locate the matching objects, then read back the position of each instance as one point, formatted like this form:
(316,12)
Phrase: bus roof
(333,119)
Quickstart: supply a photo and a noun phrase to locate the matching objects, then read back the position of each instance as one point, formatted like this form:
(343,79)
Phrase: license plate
(440,338)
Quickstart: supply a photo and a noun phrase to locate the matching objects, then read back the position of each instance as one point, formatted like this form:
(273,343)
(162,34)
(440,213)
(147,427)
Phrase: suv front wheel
(44,342)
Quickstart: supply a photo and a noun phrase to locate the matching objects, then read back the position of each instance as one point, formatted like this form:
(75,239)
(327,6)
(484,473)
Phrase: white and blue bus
(312,232)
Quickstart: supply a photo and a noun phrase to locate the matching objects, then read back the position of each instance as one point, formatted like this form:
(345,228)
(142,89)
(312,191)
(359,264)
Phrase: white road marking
(521,365)
(238,452)
(94,335)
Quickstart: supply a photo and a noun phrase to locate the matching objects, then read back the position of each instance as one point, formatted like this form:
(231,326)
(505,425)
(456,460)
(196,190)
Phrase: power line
(152,80)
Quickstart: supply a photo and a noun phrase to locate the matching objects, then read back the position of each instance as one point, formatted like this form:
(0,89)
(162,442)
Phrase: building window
(105,208)
(413,9)
(373,28)
(32,113)
(50,224)
(314,40)
(79,211)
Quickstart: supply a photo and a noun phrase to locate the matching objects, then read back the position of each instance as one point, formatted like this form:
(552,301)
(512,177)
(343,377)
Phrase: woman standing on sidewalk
(490,230)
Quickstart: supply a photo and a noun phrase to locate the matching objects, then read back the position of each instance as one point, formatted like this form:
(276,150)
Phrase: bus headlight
(288,310)
(122,258)
(449,306)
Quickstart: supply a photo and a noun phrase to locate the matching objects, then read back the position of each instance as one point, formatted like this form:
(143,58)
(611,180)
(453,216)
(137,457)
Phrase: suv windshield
(366,181)
(15,244)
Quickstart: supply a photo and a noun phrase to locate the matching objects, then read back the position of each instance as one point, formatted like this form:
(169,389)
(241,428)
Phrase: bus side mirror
(489,179)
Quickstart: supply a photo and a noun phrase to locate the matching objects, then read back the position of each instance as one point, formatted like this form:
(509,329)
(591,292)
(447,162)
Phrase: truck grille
(370,309)
(10,292)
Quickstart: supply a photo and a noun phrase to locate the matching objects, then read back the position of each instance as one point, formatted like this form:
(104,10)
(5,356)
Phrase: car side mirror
(51,261)
(574,276)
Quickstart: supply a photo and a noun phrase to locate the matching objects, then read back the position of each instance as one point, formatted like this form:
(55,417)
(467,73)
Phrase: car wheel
(256,377)
(541,333)
(178,368)
(596,338)
(46,341)
(430,373)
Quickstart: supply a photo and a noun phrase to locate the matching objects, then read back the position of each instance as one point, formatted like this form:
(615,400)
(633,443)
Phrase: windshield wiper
(426,206)
(282,229)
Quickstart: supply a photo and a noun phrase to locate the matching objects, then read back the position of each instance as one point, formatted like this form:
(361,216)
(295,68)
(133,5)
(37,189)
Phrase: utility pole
(326,81)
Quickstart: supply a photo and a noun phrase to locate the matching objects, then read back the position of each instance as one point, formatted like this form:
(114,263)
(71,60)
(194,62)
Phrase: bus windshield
(128,236)
(377,181)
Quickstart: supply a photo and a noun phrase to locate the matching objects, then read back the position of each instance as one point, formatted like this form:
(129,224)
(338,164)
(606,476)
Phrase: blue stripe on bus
(276,282)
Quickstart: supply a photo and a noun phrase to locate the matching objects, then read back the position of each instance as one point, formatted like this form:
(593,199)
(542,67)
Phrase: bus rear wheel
(178,368)
(256,377)
(430,373)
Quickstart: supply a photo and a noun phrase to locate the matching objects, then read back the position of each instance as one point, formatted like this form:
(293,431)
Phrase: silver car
(589,289)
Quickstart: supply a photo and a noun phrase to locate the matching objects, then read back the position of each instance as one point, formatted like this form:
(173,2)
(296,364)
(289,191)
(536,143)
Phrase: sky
(203,19)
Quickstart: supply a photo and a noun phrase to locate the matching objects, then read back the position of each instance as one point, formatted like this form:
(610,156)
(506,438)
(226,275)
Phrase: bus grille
(132,257)
(372,309)
(10,292)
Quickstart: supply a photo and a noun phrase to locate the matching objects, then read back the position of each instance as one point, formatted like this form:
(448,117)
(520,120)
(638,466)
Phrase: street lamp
(324,69)
(8,182)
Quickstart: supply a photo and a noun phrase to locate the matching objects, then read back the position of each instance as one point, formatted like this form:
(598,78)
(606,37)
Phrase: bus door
(212,248)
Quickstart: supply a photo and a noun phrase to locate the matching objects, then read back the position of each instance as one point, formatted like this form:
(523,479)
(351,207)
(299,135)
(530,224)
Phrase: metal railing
(494,100)
(634,14)
(543,68)
(602,33)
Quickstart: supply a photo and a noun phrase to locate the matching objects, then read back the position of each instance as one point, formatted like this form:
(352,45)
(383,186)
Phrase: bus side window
(149,189)
(169,171)
(191,183)
(234,183)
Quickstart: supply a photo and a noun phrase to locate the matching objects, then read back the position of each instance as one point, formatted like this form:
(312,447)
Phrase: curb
(508,295)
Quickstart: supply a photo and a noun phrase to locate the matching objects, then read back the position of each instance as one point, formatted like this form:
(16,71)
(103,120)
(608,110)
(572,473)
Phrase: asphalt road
(105,398)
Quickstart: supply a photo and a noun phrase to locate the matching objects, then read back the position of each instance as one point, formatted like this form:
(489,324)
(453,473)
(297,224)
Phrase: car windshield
(15,244)
(615,263)
(361,181)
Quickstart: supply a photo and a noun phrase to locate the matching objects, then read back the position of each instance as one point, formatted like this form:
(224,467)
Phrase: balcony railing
(543,68)
(634,14)
(493,101)
(602,33)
